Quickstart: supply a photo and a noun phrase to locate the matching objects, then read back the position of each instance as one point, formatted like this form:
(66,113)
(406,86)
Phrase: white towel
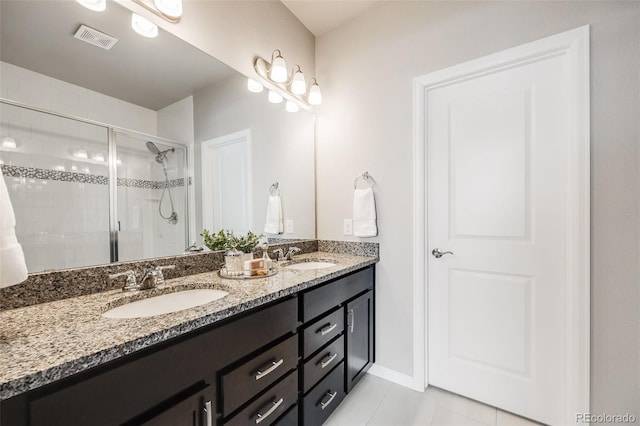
(13,269)
(274,223)
(364,213)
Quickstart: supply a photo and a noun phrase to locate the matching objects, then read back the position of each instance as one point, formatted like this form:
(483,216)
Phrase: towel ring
(274,189)
(366,177)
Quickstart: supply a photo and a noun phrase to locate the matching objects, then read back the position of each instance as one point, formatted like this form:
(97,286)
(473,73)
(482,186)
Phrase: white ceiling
(321,16)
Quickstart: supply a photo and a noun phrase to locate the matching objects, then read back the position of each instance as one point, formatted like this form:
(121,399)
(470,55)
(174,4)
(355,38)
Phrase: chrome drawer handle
(274,364)
(327,329)
(331,396)
(207,410)
(260,417)
(328,360)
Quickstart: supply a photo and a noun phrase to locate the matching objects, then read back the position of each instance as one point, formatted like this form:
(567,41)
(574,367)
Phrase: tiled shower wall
(61,201)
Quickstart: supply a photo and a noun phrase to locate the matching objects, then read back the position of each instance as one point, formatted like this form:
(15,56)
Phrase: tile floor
(377,402)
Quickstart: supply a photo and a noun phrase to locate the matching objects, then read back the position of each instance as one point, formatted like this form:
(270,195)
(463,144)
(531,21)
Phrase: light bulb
(95,5)
(298,85)
(278,71)
(9,143)
(292,107)
(171,8)
(143,26)
(80,153)
(274,98)
(315,97)
(99,157)
(254,86)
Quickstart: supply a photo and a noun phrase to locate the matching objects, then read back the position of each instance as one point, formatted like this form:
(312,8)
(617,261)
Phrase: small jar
(233,262)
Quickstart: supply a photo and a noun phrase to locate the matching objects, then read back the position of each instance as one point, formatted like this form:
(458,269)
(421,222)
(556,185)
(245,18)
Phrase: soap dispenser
(268,263)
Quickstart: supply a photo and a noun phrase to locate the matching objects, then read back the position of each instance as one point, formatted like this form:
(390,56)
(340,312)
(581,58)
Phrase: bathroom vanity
(283,350)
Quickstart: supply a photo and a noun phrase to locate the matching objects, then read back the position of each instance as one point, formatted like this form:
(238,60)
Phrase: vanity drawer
(290,418)
(271,405)
(322,299)
(323,362)
(324,398)
(247,380)
(322,331)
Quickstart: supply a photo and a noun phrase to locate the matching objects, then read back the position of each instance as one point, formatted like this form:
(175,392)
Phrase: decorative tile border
(46,174)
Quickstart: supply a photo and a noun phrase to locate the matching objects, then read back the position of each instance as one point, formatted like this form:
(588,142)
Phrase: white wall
(234,32)
(39,90)
(282,150)
(365,123)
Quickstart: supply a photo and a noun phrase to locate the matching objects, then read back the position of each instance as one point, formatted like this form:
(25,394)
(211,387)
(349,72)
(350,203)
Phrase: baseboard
(396,377)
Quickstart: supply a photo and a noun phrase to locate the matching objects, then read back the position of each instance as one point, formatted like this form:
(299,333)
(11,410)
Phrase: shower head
(160,155)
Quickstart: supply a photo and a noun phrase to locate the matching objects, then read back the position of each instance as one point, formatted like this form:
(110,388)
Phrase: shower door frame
(112,167)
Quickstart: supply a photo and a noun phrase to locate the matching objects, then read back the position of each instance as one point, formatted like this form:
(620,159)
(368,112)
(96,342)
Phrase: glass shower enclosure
(86,193)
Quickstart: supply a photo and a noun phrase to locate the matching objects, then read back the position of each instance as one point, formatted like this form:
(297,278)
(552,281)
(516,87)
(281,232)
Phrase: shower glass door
(151,209)
(55,169)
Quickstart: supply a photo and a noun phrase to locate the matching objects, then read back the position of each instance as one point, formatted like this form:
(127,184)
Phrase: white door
(498,191)
(226,183)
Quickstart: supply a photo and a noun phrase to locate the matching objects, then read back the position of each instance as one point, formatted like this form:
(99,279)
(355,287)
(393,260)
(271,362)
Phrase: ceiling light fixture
(143,26)
(95,5)
(292,107)
(169,10)
(275,77)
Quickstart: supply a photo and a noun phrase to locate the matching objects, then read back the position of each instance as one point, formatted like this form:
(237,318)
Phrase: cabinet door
(194,410)
(359,338)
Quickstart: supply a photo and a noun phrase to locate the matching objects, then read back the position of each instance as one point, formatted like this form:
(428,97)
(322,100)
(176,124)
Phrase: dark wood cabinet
(290,362)
(359,331)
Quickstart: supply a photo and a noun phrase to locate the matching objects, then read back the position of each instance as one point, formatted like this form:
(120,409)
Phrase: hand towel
(274,223)
(364,213)
(13,269)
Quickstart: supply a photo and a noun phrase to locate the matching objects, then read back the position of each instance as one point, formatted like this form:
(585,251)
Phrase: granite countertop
(43,343)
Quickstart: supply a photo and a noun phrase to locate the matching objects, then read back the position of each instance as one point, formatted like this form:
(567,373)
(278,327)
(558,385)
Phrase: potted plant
(219,241)
(245,244)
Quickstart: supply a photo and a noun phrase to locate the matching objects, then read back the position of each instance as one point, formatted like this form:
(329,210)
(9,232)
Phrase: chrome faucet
(151,279)
(130,284)
(280,256)
(193,248)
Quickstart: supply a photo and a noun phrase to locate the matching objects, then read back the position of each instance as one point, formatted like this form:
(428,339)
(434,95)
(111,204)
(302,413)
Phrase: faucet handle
(130,284)
(279,254)
(292,251)
(160,274)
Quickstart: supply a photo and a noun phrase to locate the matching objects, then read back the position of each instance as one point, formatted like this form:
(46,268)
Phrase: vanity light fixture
(315,96)
(274,76)
(143,26)
(80,154)
(169,10)
(98,157)
(95,5)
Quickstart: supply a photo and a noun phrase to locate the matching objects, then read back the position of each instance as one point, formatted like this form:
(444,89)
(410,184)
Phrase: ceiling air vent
(95,37)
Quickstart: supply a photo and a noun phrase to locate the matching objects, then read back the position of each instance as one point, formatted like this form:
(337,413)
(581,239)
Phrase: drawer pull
(327,329)
(325,404)
(207,410)
(353,320)
(272,366)
(260,417)
(328,360)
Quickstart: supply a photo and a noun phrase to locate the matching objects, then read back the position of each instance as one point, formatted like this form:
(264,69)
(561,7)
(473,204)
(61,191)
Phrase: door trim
(207,193)
(575,45)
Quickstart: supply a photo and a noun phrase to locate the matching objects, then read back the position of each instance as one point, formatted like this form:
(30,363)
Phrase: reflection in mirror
(58,168)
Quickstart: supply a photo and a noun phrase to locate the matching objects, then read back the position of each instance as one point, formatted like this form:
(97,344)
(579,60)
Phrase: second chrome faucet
(152,278)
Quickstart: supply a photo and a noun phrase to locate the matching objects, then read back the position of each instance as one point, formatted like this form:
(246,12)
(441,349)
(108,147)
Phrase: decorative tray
(223,274)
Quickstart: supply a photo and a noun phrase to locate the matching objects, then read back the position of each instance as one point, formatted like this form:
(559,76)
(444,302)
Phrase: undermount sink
(166,303)
(306,266)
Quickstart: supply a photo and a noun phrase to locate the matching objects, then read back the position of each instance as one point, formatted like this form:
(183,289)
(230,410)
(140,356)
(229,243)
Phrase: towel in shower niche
(13,269)
(274,223)
(364,213)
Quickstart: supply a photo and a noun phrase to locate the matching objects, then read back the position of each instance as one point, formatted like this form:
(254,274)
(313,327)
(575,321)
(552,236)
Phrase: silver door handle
(325,404)
(353,320)
(328,360)
(272,366)
(327,329)
(207,410)
(439,253)
(260,417)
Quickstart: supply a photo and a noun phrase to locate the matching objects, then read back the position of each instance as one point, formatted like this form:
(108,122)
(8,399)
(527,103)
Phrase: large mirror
(189,145)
